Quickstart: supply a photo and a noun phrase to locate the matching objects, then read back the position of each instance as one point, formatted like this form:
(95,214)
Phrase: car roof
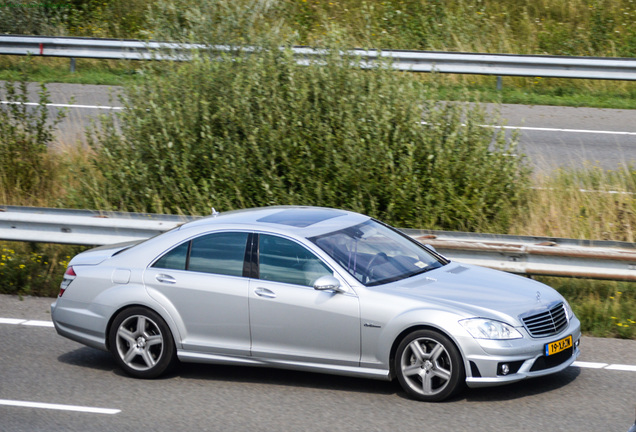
(305,221)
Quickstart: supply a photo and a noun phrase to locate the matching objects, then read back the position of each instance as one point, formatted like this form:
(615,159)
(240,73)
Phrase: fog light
(509,368)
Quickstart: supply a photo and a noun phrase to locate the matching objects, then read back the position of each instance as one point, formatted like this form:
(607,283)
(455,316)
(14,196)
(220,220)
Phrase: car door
(291,320)
(203,279)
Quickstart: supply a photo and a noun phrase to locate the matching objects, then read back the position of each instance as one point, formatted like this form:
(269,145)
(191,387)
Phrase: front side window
(282,260)
(374,253)
(218,253)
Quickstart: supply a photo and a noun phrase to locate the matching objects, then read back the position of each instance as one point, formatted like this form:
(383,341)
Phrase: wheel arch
(404,333)
(158,311)
(121,297)
(142,352)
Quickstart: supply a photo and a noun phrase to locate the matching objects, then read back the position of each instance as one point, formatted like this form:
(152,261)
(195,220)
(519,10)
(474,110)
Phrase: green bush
(32,17)
(258,129)
(114,18)
(25,134)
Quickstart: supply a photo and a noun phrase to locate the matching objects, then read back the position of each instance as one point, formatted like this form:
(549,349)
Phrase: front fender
(443,321)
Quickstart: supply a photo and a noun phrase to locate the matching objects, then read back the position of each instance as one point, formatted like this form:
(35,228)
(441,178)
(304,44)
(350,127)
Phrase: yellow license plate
(558,346)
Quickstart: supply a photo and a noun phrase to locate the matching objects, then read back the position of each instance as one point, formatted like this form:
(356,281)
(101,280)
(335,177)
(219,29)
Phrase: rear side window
(175,259)
(219,253)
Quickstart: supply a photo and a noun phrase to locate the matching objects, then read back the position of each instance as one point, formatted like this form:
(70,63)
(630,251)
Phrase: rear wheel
(429,367)
(142,343)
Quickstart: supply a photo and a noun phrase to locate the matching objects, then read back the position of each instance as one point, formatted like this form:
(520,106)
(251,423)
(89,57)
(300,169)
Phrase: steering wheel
(372,263)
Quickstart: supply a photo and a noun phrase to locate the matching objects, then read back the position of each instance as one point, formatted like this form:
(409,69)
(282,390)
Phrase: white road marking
(579,364)
(59,407)
(58,105)
(32,323)
(606,366)
(528,128)
(609,192)
(36,323)
(620,367)
(566,130)
(11,321)
(541,129)
(589,365)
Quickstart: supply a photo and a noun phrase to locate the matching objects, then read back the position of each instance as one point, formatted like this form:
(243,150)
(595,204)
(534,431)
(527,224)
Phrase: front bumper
(524,358)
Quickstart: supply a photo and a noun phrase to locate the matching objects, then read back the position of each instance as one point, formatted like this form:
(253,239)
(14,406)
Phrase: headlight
(568,309)
(481,328)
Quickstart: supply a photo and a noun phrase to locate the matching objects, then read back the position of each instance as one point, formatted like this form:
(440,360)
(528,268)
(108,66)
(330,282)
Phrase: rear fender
(124,296)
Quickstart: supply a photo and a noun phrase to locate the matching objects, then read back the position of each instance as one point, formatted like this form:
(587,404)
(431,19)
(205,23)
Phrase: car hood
(475,291)
(99,254)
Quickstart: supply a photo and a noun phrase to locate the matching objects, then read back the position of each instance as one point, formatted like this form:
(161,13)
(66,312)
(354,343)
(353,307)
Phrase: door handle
(264,292)
(164,278)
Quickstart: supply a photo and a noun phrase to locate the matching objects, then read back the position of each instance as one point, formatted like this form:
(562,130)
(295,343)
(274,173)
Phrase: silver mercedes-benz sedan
(313,289)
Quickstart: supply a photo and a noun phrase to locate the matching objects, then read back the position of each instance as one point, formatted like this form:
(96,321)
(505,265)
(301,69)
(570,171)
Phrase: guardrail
(545,256)
(81,227)
(516,254)
(606,68)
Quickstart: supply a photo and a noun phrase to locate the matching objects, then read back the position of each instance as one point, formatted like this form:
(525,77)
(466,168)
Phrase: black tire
(142,343)
(429,367)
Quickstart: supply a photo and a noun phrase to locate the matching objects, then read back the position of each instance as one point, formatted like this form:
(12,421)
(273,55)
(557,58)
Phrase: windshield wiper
(405,275)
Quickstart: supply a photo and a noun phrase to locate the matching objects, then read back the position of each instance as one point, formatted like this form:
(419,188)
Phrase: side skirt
(360,372)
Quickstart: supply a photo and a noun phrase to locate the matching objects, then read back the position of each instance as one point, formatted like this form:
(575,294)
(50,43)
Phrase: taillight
(69,276)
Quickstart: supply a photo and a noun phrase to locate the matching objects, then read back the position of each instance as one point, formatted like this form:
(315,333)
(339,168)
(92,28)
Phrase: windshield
(374,253)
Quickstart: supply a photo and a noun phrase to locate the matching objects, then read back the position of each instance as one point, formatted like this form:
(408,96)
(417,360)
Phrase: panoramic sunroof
(301,218)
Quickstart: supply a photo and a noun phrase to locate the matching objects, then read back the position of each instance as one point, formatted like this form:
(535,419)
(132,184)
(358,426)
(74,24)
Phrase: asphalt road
(37,365)
(554,137)
(551,137)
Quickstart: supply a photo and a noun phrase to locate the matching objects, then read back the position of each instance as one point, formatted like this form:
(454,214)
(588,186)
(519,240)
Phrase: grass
(57,70)
(605,308)
(577,204)
(542,91)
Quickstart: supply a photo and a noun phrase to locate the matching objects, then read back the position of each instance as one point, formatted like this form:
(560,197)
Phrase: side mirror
(431,247)
(328,283)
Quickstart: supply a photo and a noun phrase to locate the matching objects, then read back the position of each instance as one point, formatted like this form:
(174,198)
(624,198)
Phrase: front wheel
(141,343)
(429,367)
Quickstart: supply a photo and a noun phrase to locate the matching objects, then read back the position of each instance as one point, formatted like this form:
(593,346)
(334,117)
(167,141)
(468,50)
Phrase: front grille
(547,323)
